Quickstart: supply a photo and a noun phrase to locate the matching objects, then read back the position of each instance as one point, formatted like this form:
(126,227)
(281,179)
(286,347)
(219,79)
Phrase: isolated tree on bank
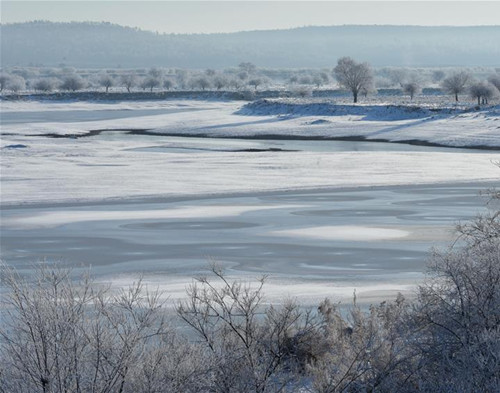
(72,83)
(106,81)
(129,81)
(353,76)
(456,83)
(412,88)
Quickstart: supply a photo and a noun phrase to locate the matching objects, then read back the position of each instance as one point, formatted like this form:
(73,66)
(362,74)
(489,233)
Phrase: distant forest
(103,45)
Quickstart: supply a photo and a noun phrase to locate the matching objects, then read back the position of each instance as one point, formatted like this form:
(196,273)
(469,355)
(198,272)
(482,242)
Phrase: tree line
(357,78)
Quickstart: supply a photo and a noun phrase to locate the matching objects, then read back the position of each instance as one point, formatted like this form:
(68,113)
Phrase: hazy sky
(228,16)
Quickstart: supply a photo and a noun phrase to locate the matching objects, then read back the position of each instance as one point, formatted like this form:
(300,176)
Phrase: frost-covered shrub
(458,313)
(302,91)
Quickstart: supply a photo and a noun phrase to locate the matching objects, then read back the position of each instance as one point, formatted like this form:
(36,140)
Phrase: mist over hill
(108,45)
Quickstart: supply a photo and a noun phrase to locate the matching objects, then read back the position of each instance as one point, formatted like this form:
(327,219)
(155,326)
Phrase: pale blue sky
(228,16)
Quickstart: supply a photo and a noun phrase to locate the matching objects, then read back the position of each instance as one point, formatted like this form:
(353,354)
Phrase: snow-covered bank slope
(61,169)
(281,118)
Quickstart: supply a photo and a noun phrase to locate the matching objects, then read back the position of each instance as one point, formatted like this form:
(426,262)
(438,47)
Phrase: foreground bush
(59,335)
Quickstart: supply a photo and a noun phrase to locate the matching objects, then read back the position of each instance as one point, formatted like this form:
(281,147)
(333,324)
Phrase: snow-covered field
(70,190)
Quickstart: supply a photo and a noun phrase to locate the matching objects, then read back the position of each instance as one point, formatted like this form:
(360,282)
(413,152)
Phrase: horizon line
(241,31)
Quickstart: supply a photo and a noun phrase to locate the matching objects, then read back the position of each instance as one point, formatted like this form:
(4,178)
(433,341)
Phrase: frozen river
(313,244)
(321,217)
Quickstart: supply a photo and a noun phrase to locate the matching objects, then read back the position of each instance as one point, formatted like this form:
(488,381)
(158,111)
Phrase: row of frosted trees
(358,78)
(58,335)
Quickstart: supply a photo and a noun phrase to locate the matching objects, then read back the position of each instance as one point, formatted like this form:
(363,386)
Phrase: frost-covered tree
(397,76)
(58,335)
(150,83)
(248,67)
(72,82)
(44,85)
(16,83)
(4,81)
(458,313)
(128,81)
(317,80)
(438,76)
(156,72)
(482,91)
(168,83)
(106,81)
(201,82)
(251,347)
(234,83)
(412,88)
(353,76)
(495,80)
(305,80)
(243,75)
(255,82)
(220,81)
(456,83)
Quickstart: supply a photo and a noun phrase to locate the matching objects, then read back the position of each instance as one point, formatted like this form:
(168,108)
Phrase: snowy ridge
(297,107)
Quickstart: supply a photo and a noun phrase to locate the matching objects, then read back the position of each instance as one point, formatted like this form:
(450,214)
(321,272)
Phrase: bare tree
(353,76)
(249,344)
(168,83)
(45,85)
(129,81)
(4,81)
(61,336)
(106,81)
(482,91)
(16,83)
(458,312)
(72,82)
(156,73)
(456,83)
(201,82)
(255,82)
(220,81)
(248,67)
(438,76)
(495,80)
(150,83)
(412,88)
